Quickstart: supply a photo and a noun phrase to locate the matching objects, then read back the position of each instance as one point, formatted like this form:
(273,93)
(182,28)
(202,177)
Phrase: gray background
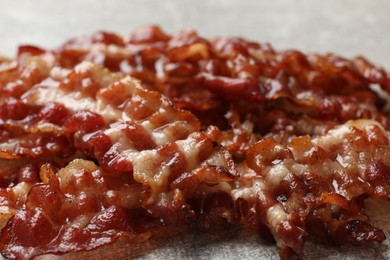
(347,27)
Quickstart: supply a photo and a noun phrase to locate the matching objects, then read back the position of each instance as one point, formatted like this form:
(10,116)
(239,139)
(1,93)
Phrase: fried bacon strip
(112,137)
(142,143)
(205,75)
(319,181)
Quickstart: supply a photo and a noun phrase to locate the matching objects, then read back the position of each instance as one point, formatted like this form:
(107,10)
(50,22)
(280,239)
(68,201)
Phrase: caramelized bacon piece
(319,180)
(135,135)
(80,207)
(148,121)
(203,75)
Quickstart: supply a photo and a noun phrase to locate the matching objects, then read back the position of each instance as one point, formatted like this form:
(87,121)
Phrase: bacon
(72,206)
(200,75)
(112,137)
(80,207)
(296,183)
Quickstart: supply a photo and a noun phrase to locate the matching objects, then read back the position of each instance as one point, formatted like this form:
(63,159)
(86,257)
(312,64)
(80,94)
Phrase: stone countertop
(346,27)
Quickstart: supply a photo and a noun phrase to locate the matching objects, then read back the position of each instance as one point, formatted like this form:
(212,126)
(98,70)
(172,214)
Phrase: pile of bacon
(154,134)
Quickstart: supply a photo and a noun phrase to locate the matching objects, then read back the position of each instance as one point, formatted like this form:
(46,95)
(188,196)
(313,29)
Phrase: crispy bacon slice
(203,75)
(148,152)
(319,181)
(80,207)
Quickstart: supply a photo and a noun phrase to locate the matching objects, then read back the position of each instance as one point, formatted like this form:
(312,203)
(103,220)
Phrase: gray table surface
(346,27)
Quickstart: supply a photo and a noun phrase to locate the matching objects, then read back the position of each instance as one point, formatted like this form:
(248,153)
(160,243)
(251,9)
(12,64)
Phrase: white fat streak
(146,172)
(341,161)
(7,65)
(144,166)
(122,143)
(275,215)
(159,137)
(118,138)
(45,127)
(249,193)
(164,134)
(276,174)
(5,212)
(383,94)
(298,168)
(328,168)
(161,177)
(73,101)
(75,169)
(58,73)
(9,145)
(110,50)
(338,134)
(21,189)
(82,220)
(190,148)
(83,67)
(216,159)
(198,48)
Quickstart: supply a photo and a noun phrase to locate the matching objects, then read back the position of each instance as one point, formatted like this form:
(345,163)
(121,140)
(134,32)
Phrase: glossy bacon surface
(141,142)
(112,137)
